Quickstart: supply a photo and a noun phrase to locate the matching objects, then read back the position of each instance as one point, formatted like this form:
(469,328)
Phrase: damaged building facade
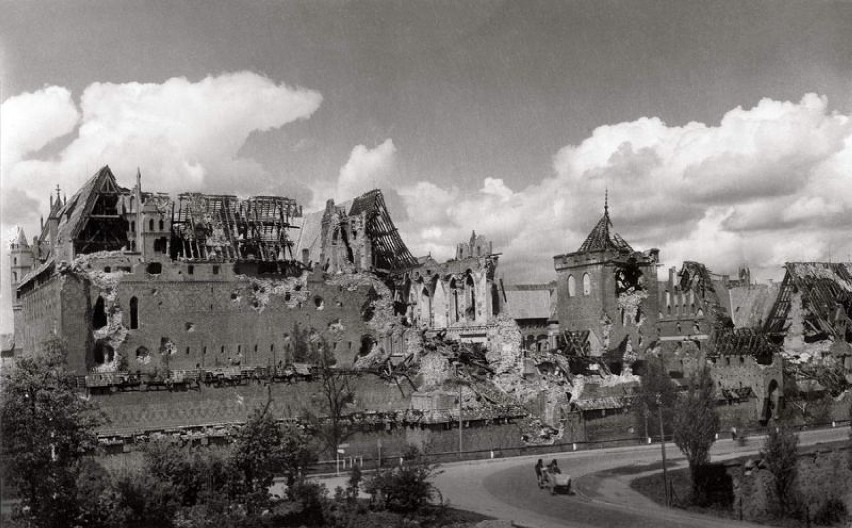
(132,280)
(613,307)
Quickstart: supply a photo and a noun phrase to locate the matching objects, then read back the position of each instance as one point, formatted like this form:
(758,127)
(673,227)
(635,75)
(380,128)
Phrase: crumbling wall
(505,345)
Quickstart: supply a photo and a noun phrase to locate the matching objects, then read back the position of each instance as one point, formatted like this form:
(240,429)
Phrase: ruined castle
(149,291)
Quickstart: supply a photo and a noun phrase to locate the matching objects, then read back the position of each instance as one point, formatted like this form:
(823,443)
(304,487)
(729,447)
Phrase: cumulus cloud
(766,185)
(184,135)
(366,169)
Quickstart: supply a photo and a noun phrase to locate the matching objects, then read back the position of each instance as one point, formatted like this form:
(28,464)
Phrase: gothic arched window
(134,313)
(587,284)
(572,286)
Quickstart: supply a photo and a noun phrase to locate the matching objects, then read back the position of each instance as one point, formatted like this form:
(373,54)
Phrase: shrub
(405,489)
(831,512)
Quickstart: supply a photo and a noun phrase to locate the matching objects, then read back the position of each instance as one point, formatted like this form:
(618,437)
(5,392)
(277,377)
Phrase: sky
(722,130)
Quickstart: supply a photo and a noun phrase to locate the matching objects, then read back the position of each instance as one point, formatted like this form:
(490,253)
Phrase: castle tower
(21,259)
(609,289)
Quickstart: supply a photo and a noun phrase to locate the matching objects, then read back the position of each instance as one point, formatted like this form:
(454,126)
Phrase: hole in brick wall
(190,269)
(187,351)
(107,269)
(215,270)
(99,318)
(142,353)
(367,343)
(318,302)
(287,296)
(234,296)
(189,327)
(298,287)
(154,268)
(104,353)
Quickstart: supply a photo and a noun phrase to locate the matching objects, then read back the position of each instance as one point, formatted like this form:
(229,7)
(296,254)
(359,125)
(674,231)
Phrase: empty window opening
(133,226)
(190,269)
(99,318)
(318,302)
(151,224)
(187,351)
(107,269)
(141,353)
(134,313)
(572,286)
(587,284)
(162,226)
(154,268)
(215,270)
(222,350)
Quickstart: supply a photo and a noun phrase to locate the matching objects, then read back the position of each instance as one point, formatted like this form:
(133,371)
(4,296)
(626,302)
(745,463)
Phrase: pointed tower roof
(22,239)
(603,236)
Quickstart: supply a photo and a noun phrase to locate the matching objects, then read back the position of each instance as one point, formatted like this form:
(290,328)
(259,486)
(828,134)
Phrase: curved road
(506,488)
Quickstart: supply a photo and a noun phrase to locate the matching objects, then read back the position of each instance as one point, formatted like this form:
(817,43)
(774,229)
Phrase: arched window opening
(134,313)
(587,284)
(455,301)
(162,225)
(99,318)
(151,224)
(572,286)
(133,225)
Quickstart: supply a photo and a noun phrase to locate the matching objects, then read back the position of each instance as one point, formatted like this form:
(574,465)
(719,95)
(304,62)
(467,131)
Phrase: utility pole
(461,423)
(663,449)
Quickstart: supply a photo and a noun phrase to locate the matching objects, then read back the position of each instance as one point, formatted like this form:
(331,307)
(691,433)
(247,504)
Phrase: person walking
(539,468)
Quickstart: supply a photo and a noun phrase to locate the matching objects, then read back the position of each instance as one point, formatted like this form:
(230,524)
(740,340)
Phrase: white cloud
(184,135)
(768,184)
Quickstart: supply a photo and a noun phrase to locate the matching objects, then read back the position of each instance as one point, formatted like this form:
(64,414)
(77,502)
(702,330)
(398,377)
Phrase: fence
(374,462)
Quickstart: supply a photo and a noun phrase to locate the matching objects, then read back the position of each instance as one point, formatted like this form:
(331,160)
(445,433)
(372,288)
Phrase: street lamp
(663,448)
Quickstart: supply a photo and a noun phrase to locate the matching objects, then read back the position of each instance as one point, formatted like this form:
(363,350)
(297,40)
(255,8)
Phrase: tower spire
(606,201)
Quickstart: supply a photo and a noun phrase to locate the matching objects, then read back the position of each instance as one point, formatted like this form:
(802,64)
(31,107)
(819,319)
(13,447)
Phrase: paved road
(506,489)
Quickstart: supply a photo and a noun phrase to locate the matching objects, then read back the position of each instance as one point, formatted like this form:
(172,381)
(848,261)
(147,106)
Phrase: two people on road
(541,473)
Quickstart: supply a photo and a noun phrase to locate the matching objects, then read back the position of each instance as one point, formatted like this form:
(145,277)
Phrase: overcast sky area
(721,129)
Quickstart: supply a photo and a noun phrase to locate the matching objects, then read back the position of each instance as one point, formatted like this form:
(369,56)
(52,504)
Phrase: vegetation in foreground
(49,446)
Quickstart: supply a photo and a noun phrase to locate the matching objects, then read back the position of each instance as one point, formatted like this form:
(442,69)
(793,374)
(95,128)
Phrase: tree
(256,457)
(47,428)
(780,452)
(695,426)
(658,392)
(333,426)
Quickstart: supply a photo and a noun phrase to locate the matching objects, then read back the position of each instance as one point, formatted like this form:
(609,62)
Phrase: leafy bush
(404,489)
(831,512)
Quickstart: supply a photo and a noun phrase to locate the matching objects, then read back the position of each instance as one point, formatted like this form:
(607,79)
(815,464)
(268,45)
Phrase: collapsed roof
(826,295)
